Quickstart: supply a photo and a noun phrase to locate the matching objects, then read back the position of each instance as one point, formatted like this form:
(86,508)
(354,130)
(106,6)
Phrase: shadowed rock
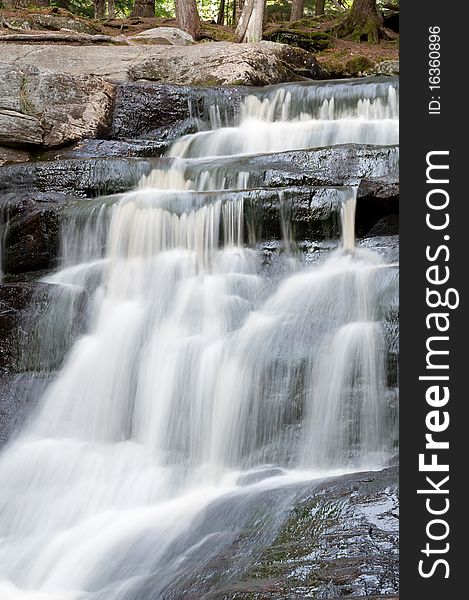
(378,206)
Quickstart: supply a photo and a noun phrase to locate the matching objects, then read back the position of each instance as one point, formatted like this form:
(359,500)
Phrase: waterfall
(192,381)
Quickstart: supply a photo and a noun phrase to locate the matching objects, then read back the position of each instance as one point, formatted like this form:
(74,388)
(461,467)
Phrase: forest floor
(339,57)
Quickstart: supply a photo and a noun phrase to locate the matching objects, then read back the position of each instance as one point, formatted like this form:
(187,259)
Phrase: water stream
(202,392)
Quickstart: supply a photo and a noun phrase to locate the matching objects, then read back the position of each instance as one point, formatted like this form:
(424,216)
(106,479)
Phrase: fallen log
(64,37)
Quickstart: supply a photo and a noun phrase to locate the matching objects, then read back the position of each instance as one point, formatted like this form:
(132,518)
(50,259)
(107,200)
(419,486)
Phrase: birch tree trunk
(251,21)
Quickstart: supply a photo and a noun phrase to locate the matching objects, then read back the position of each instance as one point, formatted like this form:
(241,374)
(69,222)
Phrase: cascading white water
(197,370)
(319,116)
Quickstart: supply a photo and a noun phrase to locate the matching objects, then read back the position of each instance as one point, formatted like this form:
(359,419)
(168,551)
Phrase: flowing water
(198,392)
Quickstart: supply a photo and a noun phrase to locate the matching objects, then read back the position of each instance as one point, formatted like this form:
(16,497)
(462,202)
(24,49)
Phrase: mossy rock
(358,65)
(305,24)
(216,33)
(311,41)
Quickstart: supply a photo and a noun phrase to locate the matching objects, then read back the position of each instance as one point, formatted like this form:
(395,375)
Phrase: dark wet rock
(145,108)
(378,206)
(341,540)
(86,149)
(82,178)
(15,301)
(388,225)
(20,393)
(43,108)
(336,165)
(312,212)
(32,220)
(30,230)
(323,539)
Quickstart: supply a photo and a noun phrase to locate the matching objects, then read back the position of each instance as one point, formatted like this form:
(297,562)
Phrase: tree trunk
(319,8)
(221,13)
(99,9)
(364,23)
(187,16)
(111,9)
(251,21)
(297,10)
(143,8)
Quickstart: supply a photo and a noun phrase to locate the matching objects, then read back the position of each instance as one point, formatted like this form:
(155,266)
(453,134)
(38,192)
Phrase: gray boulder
(164,36)
(45,108)
(216,63)
(389,68)
(225,63)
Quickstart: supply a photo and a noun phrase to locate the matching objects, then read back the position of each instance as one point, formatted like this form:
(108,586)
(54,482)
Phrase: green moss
(25,104)
(305,24)
(311,41)
(357,65)
(299,538)
(216,33)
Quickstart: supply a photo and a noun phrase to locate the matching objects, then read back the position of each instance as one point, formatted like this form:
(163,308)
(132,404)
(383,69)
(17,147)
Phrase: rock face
(12,155)
(164,36)
(31,234)
(339,541)
(378,206)
(220,63)
(144,109)
(20,393)
(337,165)
(80,178)
(263,63)
(15,300)
(335,538)
(43,108)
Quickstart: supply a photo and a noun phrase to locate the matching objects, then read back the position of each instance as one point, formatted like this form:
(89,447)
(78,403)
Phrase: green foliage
(278,10)
(83,8)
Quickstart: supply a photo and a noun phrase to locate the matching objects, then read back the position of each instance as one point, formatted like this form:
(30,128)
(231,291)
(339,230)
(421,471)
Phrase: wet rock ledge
(339,540)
